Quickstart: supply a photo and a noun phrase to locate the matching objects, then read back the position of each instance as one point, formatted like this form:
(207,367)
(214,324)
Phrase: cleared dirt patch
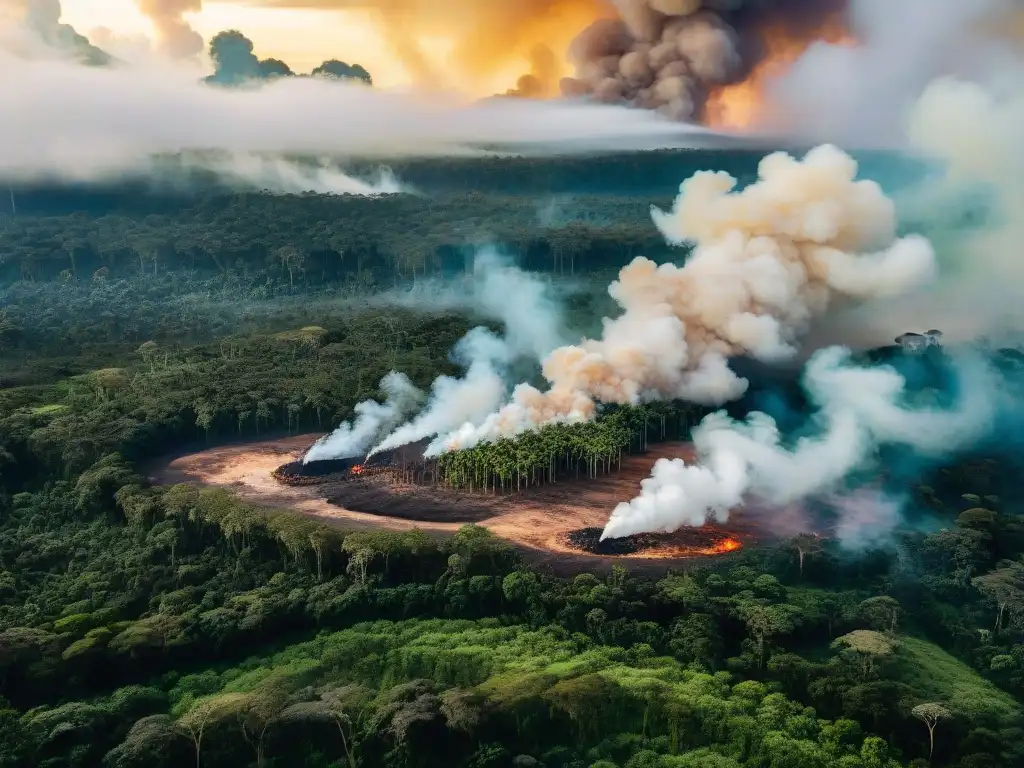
(537,520)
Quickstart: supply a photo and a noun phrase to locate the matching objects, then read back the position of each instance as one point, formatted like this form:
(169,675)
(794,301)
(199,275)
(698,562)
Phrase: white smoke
(969,207)
(175,36)
(521,301)
(866,518)
(287,176)
(859,409)
(767,260)
(901,47)
(373,420)
(523,304)
(123,117)
(454,401)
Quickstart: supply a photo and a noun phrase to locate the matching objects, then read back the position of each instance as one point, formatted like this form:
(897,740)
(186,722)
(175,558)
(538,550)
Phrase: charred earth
(682,543)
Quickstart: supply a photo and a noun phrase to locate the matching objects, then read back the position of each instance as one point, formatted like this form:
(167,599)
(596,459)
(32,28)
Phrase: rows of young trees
(543,455)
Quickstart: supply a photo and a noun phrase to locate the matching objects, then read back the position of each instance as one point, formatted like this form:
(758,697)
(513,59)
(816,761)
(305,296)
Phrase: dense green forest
(154,626)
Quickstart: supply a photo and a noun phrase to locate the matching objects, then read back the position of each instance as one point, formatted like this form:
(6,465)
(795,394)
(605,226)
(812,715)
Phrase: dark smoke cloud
(670,55)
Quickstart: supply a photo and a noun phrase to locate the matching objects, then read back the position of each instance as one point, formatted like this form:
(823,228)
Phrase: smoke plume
(901,47)
(255,171)
(766,261)
(373,419)
(32,28)
(972,129)
(453,401)
(532,320)
(968,207)
(859,409)
(676,56)
(124,117)
(175,37)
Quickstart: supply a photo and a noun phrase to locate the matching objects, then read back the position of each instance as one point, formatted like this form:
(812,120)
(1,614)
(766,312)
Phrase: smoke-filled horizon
(124,117)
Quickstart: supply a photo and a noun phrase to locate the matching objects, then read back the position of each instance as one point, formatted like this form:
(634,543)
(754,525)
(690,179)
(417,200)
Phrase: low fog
(125,116)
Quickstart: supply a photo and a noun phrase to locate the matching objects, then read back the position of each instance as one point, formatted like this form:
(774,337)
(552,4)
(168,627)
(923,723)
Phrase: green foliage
(165,626)
(544,455)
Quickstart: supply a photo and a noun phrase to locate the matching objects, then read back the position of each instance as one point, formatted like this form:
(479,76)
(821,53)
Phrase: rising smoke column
(533,328)
(499,291)
(674,55)
(373,419)
(766,261)
(859,409)
(175,37)
(453,401)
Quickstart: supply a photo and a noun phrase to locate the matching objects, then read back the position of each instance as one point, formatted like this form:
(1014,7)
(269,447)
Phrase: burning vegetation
(687,542)
(545,456)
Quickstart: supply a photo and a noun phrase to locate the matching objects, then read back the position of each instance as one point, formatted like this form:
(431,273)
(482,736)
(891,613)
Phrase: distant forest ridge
(652,173)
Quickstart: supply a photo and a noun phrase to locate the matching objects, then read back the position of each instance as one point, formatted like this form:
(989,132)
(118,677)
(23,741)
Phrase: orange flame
(356,470)
(743,105)
(722,547)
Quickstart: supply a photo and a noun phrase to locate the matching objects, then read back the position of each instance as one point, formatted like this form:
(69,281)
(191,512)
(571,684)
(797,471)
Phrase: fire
(743,105)
(356,470)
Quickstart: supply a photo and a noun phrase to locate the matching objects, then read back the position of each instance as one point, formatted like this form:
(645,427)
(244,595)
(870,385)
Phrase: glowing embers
(688,542)
(322,471)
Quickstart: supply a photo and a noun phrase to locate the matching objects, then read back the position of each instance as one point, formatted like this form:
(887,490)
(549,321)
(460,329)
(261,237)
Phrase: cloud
(122,117)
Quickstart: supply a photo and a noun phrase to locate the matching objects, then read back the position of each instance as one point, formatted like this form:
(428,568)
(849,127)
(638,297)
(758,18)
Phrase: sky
(301,37)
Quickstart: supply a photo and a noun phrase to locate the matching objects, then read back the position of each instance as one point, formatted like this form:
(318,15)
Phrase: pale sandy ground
(536,520)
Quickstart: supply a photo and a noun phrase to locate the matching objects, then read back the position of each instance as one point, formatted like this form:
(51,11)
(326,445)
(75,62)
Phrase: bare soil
(537,520)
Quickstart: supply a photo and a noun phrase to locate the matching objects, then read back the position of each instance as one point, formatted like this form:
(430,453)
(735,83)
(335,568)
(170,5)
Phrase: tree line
(543,455)
(314,240)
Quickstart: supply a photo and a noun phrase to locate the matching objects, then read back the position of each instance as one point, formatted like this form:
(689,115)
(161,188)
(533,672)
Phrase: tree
(149,737)
(148,352)
(1005,587)
(462,709)
(869,648)
(339,705)
(930,714)
(204,713)
(259,710)
(805,544)
(882,612)
(765,621)
(339,70)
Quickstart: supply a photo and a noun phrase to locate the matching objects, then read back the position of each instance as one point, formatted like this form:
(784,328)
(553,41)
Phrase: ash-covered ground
(692,541)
